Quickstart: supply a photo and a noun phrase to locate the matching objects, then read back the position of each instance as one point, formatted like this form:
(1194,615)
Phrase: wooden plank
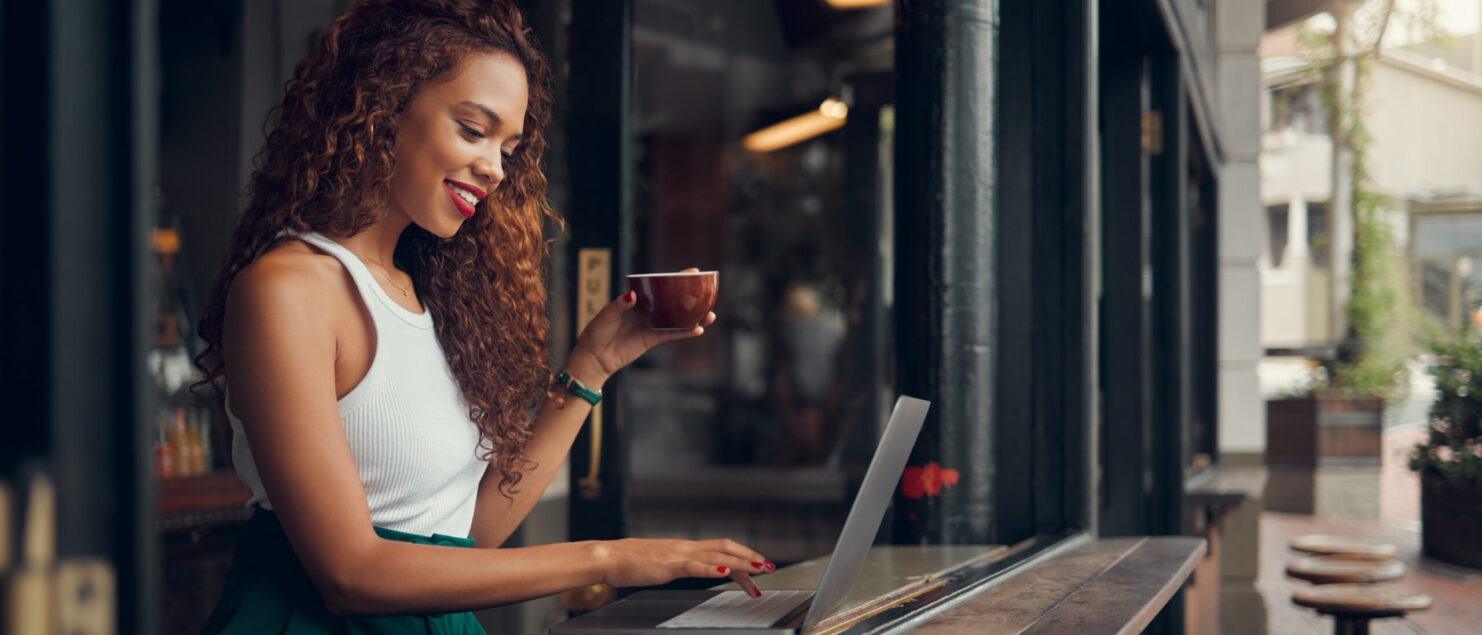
(202,493)
(1125,597)
(1108,586)
(1226,485)
(1019,601)
(891,574)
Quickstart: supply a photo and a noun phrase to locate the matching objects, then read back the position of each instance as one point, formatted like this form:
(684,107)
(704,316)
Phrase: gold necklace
(405,292)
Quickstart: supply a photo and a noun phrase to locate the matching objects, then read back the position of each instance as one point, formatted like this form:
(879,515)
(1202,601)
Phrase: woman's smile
(458,132)
(465,197)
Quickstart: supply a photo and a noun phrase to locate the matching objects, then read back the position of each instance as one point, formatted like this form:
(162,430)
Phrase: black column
(944,255)
(1172,314)
(80,158)
(1125,316)
(598,108)
(1043,279)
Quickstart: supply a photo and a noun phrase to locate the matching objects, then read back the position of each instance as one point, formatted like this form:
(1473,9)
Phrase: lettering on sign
(593,284)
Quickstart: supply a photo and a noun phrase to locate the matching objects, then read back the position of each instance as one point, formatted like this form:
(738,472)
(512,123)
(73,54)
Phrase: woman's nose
(491,170)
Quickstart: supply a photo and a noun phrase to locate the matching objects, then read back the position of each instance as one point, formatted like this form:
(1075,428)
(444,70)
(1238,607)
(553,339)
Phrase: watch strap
(575,387)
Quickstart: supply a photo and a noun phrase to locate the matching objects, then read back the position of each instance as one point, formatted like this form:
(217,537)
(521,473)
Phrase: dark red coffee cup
(674,301)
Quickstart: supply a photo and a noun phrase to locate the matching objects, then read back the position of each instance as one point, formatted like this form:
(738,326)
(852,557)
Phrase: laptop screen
(869,507)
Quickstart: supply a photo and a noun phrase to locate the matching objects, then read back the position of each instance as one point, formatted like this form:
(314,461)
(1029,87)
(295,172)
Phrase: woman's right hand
(646,561)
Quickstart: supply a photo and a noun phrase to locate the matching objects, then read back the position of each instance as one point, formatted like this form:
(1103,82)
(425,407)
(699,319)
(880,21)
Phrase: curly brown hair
(327,167)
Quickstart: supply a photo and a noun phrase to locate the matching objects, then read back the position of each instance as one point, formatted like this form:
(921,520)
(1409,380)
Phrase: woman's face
(452,141)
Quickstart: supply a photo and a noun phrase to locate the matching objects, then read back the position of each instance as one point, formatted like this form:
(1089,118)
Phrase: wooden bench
(1114,585)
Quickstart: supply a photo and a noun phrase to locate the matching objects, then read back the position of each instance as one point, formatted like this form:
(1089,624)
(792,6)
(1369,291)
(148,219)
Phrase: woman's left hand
(616,336)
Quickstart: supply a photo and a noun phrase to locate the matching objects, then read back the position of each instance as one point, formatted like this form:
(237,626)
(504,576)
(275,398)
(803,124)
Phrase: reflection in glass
(1435,289)
(1319,243)
(1469,291)
(760,429)
(1276,233)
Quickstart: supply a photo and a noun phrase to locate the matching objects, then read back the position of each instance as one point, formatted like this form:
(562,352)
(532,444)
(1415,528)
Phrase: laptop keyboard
(736,609)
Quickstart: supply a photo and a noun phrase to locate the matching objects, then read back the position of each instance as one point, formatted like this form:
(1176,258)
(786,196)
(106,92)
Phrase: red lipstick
(464,208)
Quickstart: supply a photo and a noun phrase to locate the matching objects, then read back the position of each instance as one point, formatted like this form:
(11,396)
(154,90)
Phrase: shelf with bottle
(185,444)
(197,487)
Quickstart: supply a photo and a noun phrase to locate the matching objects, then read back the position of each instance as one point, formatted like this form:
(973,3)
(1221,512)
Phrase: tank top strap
(370,289)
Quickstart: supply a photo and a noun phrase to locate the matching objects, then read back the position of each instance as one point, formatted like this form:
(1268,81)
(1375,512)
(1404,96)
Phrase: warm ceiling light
(857,4)
(830,116)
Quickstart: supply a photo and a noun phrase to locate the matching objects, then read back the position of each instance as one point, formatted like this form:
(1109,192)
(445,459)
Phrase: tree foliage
(1372,358)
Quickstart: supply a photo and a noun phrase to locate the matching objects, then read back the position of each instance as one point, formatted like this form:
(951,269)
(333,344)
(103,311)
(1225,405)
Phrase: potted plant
(1323,443)
(1449,460)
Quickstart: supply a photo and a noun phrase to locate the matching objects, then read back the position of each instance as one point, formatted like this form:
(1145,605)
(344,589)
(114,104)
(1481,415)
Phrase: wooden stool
(1353,548)
(1343,569)
(1353,605)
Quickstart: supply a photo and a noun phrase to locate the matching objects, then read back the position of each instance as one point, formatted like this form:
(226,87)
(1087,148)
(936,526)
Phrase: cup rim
(674,274)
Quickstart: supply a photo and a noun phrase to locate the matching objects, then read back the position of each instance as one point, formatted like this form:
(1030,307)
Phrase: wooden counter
(1107,586)
(1081,585)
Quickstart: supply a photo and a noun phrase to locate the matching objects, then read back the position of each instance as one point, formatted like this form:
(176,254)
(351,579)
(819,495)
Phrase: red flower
(928,480)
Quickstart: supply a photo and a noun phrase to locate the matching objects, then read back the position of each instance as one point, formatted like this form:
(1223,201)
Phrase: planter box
(1324,431)
(1451,520)
(1323,453)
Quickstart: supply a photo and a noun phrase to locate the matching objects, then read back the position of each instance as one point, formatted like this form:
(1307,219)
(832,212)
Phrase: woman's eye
(470,131)
(508,156)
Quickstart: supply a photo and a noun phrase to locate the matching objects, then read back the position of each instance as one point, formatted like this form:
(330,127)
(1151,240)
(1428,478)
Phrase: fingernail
(632,297)
(770,566)
(723,569)
(756,593)
(756,565)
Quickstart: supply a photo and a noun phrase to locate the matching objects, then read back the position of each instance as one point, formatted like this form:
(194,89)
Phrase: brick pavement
(1456,591)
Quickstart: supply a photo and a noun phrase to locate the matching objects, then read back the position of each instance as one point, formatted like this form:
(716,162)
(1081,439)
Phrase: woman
(380,330)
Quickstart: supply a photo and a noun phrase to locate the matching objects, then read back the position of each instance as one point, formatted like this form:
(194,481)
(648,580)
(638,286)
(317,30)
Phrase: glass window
(1298,108)
(1276,233)
(1469,291)
(790,375)
(1319,243)
(1435,289)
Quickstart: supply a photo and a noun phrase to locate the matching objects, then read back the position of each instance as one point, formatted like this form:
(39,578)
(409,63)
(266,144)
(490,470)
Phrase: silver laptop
(786,611)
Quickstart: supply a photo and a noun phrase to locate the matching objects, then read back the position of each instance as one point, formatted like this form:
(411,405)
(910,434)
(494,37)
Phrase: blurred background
(1133,252)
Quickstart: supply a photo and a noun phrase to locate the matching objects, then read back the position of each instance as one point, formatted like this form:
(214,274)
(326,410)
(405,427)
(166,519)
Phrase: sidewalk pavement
(1456,591)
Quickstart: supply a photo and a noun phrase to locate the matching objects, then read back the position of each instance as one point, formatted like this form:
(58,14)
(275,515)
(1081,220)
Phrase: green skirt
(267,591)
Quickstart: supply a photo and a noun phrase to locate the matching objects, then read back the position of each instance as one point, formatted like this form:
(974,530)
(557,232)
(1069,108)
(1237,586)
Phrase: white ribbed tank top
(407,423)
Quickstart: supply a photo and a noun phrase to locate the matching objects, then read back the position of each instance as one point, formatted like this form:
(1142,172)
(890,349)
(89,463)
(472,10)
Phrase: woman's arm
(612,340)
(280,349)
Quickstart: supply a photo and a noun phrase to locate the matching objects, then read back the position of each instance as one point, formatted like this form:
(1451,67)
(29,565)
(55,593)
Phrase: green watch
(575,387)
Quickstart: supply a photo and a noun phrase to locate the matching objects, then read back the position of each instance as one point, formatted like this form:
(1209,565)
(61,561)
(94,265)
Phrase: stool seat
(1343,569)
(1331,545)
(1362,600)
(1353,605)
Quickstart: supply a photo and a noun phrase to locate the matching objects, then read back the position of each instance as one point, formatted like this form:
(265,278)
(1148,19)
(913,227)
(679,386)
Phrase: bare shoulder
(293,283)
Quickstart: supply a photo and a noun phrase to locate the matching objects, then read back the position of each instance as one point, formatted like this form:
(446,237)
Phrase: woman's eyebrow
(494,118)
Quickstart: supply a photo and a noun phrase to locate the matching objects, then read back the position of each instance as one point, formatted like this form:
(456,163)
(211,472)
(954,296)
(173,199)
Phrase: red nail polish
(632,296)
(756,565)
(756,593)
(722,569)
(770,566)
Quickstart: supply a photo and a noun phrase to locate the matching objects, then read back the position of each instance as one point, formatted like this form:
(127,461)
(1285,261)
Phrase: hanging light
(829,116)
(857,4)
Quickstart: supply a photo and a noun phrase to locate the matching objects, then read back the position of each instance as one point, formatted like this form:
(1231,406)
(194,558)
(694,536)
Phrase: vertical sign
(593,284)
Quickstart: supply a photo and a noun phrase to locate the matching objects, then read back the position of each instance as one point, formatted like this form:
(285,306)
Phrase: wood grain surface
(1362,600)
(1114,585)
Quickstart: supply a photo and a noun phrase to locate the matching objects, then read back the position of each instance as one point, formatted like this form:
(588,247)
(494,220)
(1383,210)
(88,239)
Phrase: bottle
(177,438)
(208,457)
(164,454)
(195,459)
